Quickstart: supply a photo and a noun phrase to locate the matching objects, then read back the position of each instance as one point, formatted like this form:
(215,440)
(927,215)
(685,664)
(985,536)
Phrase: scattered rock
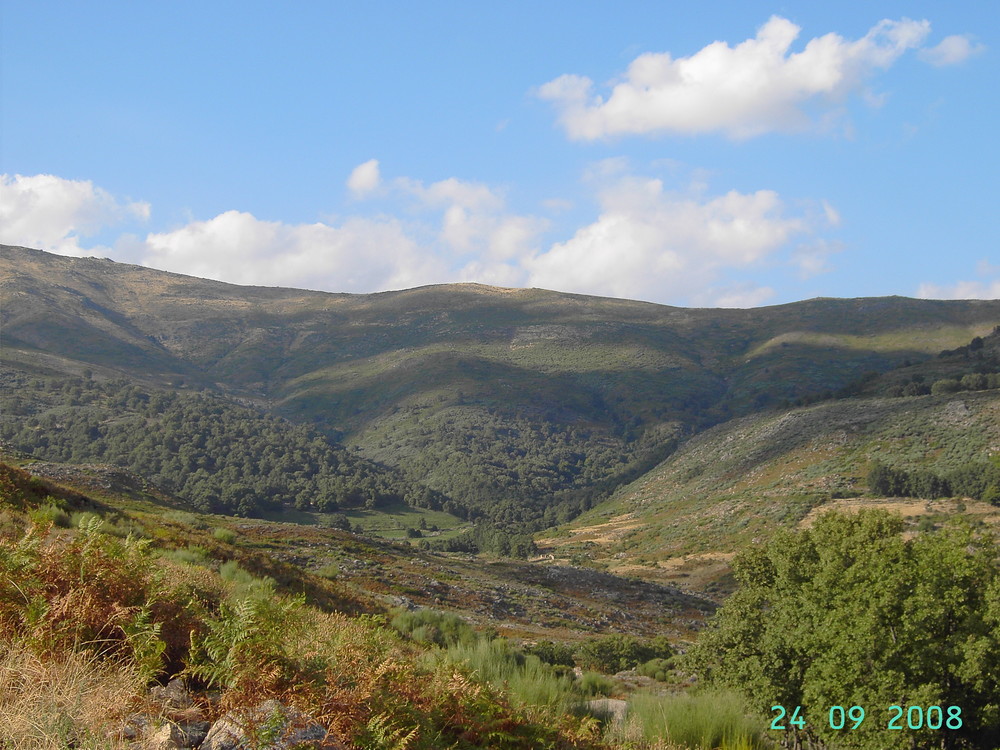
(269,726)
(167,737)
(195,732)
(172,696)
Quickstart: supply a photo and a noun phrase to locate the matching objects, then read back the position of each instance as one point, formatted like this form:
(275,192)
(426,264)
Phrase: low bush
(226,536)
(592,684)
(185,519)
(49,513)
(615,653)
(559,654)
(330,571)
(526,679)
(658,669)
(431,626)
(192,555)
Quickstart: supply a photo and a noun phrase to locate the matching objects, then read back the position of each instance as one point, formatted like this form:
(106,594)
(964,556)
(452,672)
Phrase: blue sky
(718,154)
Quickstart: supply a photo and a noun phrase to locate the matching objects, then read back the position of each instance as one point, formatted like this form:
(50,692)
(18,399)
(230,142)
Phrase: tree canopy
(849,613)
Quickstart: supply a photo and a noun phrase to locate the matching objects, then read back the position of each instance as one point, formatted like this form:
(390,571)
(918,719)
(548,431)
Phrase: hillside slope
(737,482)
(526,403)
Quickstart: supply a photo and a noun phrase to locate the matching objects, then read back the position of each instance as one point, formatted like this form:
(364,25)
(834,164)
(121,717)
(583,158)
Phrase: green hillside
(742,480)
(524,405)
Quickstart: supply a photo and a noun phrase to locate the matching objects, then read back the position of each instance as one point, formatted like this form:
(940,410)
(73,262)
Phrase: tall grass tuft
(707,720)
(73,699)
(527,680)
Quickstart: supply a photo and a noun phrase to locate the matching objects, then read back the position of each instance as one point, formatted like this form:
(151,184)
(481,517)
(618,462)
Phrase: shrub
(527,680)
(246,647)
(243,582)
(184,518)
(921,614)
(560,654)
(329,571)
(658,669)
(593,683)
(94,592)
(615,653)
(945,386)
(80,519)
(192,555)
(335,521)
(227,536)
(431,626)
(49,513)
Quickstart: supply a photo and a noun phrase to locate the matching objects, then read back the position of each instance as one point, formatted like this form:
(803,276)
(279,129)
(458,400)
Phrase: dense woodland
(218,455)
(520,469)
(515,474)
(979,481)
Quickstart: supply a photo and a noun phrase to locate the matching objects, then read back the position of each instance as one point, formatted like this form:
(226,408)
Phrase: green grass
(391,522)
(226,536)
(526,679)
(927,341)
(388,521)
(698,721)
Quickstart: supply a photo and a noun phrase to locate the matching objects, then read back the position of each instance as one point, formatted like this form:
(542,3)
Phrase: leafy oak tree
(849,613)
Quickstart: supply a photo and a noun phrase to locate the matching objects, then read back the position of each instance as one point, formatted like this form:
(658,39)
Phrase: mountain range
(684,429)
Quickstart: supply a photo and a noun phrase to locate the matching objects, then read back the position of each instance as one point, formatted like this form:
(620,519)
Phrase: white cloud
(51,213)
(646,242)
(360,255)
(475,221)
(364,179)
(651,244)
(986,289)
(452,192)
(476,240)
(961,290)
(832,215)
(811,258)
(756,87)
(951,50)
(557,205)
(743,295)
(985,268)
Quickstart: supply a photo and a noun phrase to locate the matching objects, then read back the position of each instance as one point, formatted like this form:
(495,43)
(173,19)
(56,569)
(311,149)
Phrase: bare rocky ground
(533,600)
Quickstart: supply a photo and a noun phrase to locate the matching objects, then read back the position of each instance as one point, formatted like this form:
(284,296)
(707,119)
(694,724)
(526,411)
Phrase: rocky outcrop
(269,726)
(179,725)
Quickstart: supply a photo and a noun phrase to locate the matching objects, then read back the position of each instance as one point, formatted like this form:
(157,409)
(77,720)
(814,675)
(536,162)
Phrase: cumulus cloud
(646,242)
(653,244)
(755,87)
(951,50)
(961,290)
(811,259)
(742,295)
(475,222)
(364,179)
(360,255)
(51,213)
(986,288)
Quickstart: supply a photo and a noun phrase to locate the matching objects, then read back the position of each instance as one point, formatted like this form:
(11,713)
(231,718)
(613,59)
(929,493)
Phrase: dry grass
(70,700)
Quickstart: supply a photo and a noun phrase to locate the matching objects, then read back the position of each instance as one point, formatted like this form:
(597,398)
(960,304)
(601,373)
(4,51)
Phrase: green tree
(849,613)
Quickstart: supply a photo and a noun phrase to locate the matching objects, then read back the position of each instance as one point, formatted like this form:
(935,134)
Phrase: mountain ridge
(513,401)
